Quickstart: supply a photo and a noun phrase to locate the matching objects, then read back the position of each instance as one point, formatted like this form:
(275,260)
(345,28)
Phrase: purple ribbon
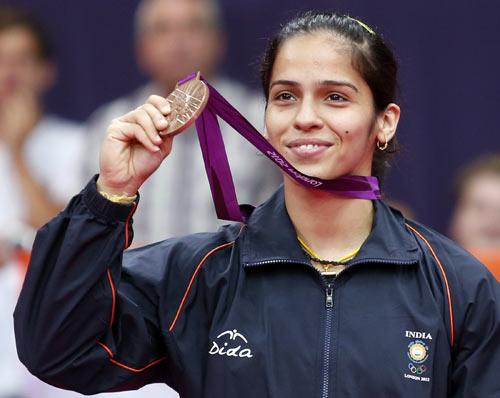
(217,165)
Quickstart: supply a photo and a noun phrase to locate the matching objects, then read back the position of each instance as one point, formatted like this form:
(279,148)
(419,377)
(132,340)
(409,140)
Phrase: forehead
(174,10)
(18,39)
(486,185)
(320,53)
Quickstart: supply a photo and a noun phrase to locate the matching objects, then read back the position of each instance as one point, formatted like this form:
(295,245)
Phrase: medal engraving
(187,102)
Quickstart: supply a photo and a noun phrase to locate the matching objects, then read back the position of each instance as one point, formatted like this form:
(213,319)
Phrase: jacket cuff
(104,208)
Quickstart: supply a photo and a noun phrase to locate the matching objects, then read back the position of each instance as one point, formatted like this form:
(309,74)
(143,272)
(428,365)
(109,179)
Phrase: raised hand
(133,148)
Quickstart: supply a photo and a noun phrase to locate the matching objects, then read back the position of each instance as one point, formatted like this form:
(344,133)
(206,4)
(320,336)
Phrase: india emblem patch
(418,351)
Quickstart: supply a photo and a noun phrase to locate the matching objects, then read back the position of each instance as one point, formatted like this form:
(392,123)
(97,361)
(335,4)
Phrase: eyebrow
(321,83)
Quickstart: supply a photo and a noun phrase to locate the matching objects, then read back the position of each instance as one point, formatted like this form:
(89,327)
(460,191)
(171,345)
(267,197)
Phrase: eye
(335,97)
(284,96)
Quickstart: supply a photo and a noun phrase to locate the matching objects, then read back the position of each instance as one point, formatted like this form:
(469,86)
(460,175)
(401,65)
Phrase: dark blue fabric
(256,320)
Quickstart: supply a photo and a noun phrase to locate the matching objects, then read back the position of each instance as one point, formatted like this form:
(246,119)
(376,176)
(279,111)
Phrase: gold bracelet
(122,199)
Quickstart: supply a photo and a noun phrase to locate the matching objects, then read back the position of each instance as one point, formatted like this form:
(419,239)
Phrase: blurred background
(449,54)
(449,57)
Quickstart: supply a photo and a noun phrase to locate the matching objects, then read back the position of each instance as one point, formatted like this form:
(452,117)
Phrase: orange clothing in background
(490,258)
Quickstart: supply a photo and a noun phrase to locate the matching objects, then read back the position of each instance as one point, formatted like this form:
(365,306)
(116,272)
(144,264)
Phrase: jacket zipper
(328,281)
(328,336)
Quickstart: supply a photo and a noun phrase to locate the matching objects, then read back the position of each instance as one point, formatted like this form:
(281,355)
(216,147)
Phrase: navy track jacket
(242,313)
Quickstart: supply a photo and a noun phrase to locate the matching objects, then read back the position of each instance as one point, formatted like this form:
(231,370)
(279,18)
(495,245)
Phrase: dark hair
(12,17)
(485,164)
(371,57)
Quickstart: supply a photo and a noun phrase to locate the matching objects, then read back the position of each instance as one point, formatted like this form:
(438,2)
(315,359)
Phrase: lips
(310,147)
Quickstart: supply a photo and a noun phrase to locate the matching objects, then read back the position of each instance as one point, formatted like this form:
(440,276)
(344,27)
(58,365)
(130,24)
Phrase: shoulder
(452,256)
(472,292)
(182,255)
(470,282)
(175,270)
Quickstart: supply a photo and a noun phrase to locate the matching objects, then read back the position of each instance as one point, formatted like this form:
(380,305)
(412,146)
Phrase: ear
(387,123)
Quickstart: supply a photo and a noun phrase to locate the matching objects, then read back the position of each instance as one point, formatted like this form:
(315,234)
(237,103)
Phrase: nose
(307,117)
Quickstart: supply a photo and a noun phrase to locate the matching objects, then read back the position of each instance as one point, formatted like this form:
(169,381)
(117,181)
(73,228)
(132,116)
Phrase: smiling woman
(321,112)
(358,51)
(317,295)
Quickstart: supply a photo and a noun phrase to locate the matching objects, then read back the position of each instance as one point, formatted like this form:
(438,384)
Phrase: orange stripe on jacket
(113,305)
(108,272)
(117,363)
(127,222)
(113,297)
(445,278)
(193,277)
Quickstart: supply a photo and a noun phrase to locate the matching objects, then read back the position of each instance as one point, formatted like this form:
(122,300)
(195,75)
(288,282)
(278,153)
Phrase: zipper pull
(329,296)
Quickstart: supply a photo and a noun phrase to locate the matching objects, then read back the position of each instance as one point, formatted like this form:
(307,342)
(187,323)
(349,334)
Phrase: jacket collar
(270,237)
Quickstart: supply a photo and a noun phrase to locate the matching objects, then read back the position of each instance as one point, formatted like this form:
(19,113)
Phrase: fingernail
(165,109)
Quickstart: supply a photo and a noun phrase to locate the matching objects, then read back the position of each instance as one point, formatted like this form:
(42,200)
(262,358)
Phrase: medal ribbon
(217,165)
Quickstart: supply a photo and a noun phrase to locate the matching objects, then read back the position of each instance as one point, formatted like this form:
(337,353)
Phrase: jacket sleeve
(476,361)
(80,324)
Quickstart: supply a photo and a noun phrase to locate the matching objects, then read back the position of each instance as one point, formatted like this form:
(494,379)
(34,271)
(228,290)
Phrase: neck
(331,225)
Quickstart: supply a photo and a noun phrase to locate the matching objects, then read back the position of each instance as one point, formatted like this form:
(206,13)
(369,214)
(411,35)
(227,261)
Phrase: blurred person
(11,370)
(29,139)
(323,290)
(475,222)
(37,176)
(172,39)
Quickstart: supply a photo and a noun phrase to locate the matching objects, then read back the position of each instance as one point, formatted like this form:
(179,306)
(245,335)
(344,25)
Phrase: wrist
(122,199)
(115,194)
(114,190)
(103,208)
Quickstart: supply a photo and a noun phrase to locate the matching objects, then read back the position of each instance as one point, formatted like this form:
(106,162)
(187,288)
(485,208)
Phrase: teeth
(308,147)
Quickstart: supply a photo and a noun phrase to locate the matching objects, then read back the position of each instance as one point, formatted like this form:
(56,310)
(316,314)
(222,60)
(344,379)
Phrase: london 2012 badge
(418,351)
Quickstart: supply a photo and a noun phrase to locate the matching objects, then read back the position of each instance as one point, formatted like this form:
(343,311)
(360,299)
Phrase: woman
(317,295)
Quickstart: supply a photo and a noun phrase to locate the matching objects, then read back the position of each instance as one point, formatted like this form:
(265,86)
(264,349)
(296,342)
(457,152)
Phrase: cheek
(469,220)
(349,126)
(275,125)
(26,76)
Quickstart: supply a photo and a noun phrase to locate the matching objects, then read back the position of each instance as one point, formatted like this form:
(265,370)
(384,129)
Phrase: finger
(160,103)
(129,132)
(166,145)
(141,117)
(160,121)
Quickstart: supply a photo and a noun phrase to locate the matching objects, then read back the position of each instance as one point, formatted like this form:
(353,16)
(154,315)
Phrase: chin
(318,172)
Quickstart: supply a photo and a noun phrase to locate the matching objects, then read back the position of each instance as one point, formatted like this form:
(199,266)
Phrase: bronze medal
(187,102)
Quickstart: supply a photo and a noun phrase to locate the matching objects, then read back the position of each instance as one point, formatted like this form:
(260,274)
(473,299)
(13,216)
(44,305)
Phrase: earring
(382,147)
